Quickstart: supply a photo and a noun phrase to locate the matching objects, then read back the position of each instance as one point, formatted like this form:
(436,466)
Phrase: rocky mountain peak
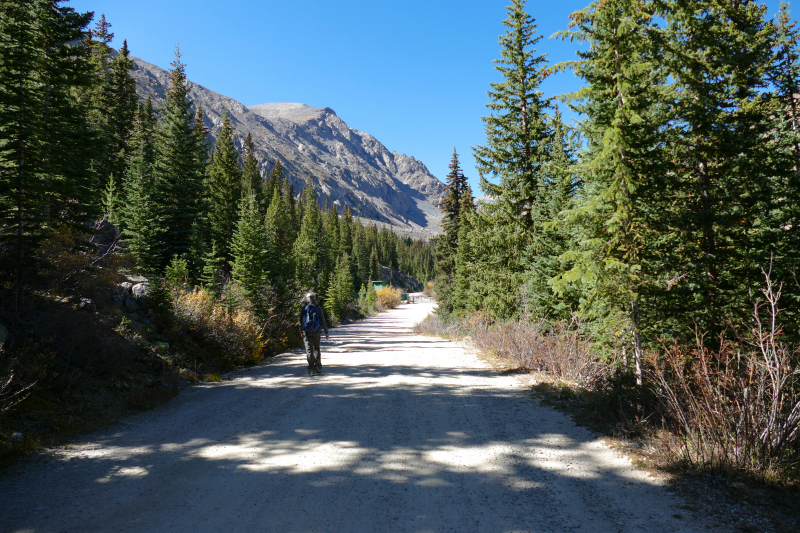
(291,111)
(347,166)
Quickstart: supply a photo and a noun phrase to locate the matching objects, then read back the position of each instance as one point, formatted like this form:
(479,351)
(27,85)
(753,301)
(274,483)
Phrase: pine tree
(785,154)
(98,96)
(719,184)
(333,231)
(178,166)
(332,304)
(343,287)
(45,141)
(542,256)
(518,136)
(249,250)
(123,104)
(213,275)
(374,266)
(281,263)
(251,174)
(309,267)
(139,214)
(447,243)
(622,105)
(224,188)
(464,274)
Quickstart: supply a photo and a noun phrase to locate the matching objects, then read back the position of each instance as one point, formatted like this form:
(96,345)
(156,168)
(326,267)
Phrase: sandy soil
(401,433)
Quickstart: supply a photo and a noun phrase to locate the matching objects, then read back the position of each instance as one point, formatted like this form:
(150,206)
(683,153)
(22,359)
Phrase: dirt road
(401,433)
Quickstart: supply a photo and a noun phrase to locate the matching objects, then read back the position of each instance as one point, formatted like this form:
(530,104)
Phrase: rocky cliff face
(348,167)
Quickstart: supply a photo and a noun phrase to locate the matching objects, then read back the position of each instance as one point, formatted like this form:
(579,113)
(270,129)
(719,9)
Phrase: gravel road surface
(401,433)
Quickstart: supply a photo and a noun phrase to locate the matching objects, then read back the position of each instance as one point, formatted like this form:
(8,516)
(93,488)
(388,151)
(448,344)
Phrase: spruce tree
(308,255)
(178,166)
(622,103)
(542,256)
(139,214)
(45,141)
(281,263)
(374,265)
(224,188)
(517,140)
(447,243)
(249,250)
(333,231)
(123,104)
(213,276)
(717,56)
(343,287)
(251,174)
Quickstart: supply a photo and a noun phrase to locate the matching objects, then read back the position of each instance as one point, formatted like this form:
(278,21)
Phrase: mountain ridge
(348,166)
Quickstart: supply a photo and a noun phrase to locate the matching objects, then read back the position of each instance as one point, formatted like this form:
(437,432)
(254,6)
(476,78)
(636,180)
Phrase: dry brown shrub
(428,291)
(738,406)
(234,335)
(387,298)
(557,349)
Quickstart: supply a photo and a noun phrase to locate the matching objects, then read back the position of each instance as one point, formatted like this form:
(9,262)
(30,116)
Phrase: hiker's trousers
(314,356)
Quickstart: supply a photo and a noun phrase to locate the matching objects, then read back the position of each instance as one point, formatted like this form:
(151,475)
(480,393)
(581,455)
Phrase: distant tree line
(76,146)
(653,218)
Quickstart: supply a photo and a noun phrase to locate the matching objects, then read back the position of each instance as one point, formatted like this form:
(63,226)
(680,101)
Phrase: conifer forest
(660,230)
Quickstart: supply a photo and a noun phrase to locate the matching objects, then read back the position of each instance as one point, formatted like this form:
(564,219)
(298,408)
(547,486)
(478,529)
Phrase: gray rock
(137,326)
(124,287)
(16,436)
(140,291)
(136,279)
(131,305)
(87,305)
(117,301)
(349,167)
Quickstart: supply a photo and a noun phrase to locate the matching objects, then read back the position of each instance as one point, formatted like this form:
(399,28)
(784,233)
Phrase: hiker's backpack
(310,318)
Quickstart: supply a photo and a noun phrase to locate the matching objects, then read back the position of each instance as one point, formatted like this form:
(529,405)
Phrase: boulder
(117,301)
(87,305)
(124,287)
(140,291)
(136,279)
(131,305)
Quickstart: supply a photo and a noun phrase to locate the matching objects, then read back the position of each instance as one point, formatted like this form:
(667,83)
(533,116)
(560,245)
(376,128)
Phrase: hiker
(312,322)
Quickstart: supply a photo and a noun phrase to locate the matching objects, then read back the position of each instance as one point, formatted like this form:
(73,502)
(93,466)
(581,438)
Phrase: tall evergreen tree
(251,174)
(45,177)
(140,216)
(542,256)
(517,141)
(281,264)
(123,104)
(250,250)
(447,243)
(309,268)
(621,166)
(224,188)
(178,166)
(717,55)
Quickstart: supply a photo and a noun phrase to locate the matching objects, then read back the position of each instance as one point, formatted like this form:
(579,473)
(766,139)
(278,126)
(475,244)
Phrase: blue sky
(414,74)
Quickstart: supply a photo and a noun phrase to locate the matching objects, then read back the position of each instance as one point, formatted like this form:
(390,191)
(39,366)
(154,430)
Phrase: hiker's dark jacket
(323,326)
